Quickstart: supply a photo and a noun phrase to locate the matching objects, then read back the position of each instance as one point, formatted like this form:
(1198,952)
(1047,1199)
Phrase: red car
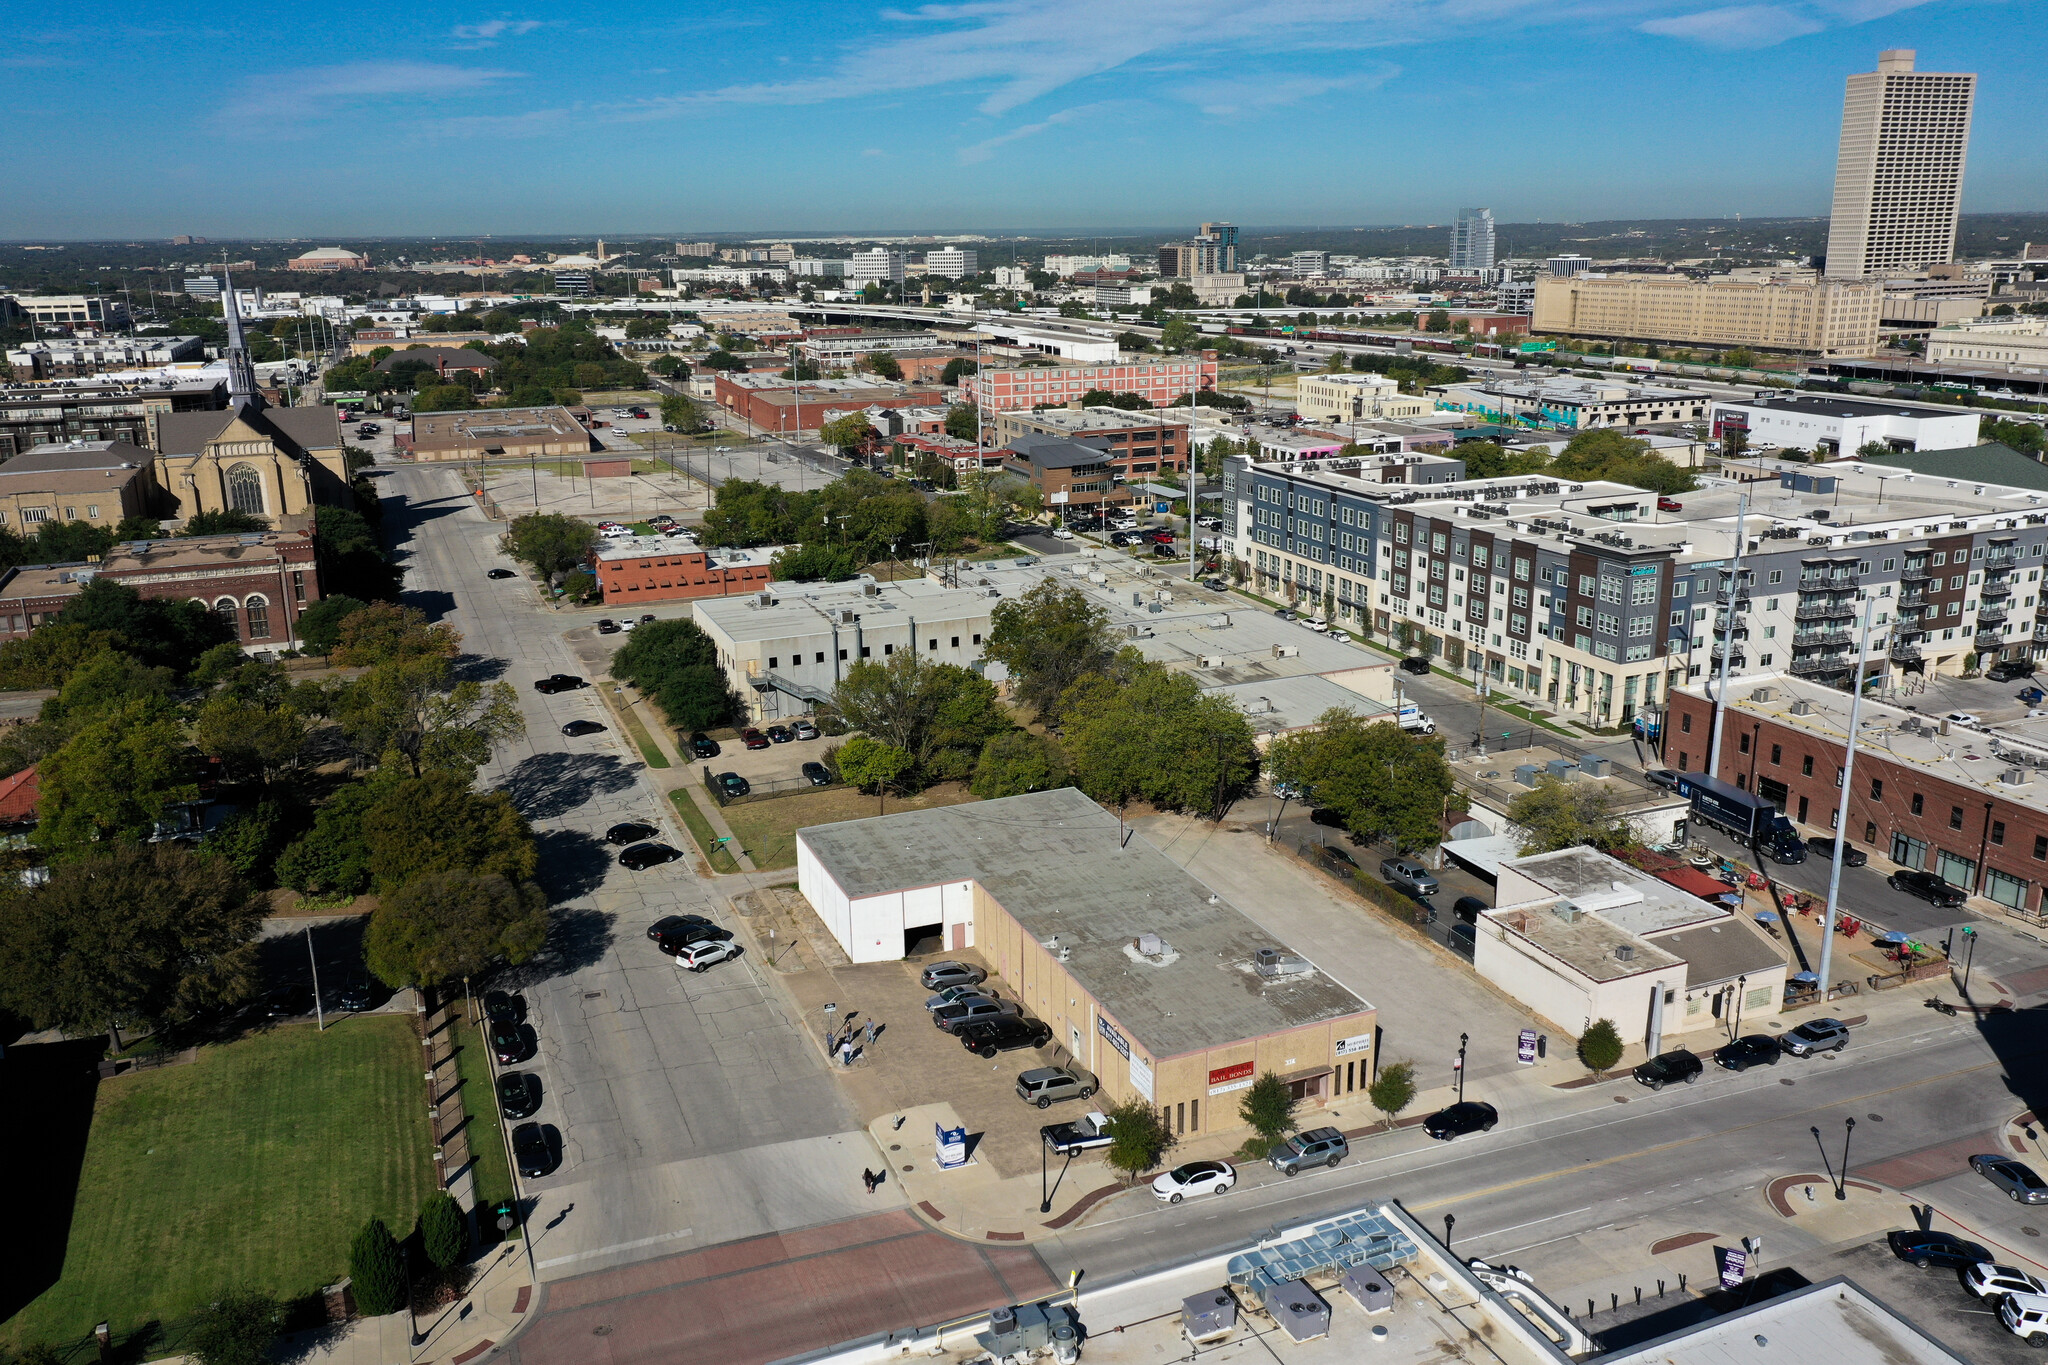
(1163,537)
(1670,505)
(753,738)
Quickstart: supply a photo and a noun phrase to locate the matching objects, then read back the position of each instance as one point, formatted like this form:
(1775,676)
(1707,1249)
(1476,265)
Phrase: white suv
(2025,1315)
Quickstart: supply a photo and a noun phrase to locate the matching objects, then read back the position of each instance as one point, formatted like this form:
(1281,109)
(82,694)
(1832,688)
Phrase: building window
(1870,832)
(1877,789)
(245,490)
(228,611)
(2006,889)
(1998,831)
(1917,803)
(1909,852)
(1955,817)
(1685,723)
(2041,847)
(1806,765)
(774,661)
(1743,743)
(1777,754)
(259,618)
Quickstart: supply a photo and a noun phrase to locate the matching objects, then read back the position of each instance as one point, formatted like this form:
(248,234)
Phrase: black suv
(1415,663)
(1669,1067)
(1751,1049)
(990,1036)
(2005,670)
(703,745)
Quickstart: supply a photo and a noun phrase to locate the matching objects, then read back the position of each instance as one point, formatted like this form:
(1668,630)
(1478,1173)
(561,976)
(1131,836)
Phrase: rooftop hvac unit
(871,589)
(1567,912)
(1287,651)
(1368,1288)
(1279,962)
(1298,1310)
(1208,1317)
(1561,769)
(1211,661)
(847,616)
(1593,766)
(764,599)
(1802,708)
(1525,774)
(1625,952)
(1761,694)
(1151,945)
(2015,777)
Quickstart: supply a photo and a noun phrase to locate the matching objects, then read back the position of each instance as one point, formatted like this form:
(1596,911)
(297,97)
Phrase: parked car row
(971,1011)
(2019,1299)
(536,1147)
(694,942)
(1681,1066)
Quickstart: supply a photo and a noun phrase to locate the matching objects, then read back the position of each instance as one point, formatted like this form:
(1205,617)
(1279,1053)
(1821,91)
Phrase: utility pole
(1727,641)
(1827,927)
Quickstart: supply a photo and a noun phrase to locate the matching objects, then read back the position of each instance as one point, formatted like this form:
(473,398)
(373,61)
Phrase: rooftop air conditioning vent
(1625,952)
(1802,708)
(1763,694)
(2015,777)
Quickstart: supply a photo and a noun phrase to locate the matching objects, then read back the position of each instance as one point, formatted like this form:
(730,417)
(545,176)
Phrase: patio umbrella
(1805,979)
(1892,940)
(1766,917)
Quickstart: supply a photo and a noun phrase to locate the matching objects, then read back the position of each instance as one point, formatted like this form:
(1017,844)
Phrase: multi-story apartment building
(1225,237)
(1355,397)
(114,412)
(1579,404)
(1899,173)
(1599,598)
(1064,266)
(1472,240)
(1826,317)
(1160,381)
(1139,444)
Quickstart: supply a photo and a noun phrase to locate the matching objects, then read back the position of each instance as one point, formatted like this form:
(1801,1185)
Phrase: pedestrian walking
(846,1052)
(870,1041)
(867,1178)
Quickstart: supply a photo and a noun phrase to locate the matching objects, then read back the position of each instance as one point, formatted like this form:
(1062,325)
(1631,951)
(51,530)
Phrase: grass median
(252,1166)
(649,750)
(700,829)
(486,1133)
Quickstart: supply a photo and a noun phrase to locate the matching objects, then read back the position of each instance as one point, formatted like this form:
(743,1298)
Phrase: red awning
(1694,881)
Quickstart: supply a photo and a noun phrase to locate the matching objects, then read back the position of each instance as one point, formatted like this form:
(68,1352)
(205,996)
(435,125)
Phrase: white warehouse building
(1833,425)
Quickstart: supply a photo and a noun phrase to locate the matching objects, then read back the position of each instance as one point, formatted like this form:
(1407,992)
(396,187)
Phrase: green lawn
(649,750)
(767,829)
(254,1166)
(486,1140)
(700,830)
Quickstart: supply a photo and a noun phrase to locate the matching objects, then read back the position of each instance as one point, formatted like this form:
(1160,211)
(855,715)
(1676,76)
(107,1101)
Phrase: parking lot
(1935,1299)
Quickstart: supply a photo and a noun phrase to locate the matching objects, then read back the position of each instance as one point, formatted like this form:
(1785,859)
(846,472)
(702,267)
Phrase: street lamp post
(411,1317)
(1842,1185)
(1741,988)
(1463,1039)
(1969,957)
(1450,1221)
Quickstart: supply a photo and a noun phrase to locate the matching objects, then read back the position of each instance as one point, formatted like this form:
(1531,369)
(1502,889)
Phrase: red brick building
(775,404)
(1942,803)
(1054,386)
(260,582)
(656,569)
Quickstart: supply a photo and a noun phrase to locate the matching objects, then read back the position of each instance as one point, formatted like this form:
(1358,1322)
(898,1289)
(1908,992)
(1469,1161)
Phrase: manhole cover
(1875,1118)
(1783,1081)
(895,1146)
(1621,1099)
(594,995)
(910,1168)
(600,1331)
(2031,1232)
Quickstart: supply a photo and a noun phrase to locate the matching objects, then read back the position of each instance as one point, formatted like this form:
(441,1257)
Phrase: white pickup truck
(1085,1134)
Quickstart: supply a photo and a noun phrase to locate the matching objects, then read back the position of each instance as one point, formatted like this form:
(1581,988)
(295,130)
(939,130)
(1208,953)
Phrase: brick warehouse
(260,582)
(1962,803)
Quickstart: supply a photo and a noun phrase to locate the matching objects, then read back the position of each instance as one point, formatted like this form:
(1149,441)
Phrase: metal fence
(763,789)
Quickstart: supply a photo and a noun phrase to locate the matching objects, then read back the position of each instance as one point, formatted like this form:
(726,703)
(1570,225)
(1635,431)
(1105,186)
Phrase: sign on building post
(952,1146)
(1525,1047)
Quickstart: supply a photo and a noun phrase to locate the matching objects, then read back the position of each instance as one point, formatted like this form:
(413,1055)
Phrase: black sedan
(558,682)
(501,573)
(676,940)
(607,626)
(1944,1249)
(780,734)
(819,774)
(536,1155)
(1751,1049)
(582,727)
(356,993)
(732,784)
(991,1036)
(670,925)
(702,745)
(640,857)
(1468,1116)
(1823,846)
(519,1094)
(1927,887)
(504,1007)
(1669,1068)
(631,832)
(510,1042)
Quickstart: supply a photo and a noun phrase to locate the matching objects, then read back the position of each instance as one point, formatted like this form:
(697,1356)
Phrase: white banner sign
(1347,1047)
(1141,1076)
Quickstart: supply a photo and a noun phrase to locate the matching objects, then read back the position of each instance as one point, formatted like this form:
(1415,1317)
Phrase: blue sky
(240,119)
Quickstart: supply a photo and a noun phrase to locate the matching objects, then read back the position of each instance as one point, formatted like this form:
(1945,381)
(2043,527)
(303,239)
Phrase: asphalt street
(690,1110)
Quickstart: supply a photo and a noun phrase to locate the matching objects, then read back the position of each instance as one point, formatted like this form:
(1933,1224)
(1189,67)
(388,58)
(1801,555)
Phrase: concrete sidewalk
(499,1302)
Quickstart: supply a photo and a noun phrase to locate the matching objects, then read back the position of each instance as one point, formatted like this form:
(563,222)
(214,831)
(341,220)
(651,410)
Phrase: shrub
(1138,1137)
(1600,1046)
(236,1329)
(376,1274)
(444,1229)
(1394,1090)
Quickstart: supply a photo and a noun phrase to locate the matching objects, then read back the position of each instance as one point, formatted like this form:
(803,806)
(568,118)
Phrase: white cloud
(986,148)
(469,37)
(1736,26)
(1252,94)
(288,97)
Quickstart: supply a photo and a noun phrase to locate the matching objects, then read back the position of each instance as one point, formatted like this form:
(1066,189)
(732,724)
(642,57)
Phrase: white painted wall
(1567,998)
(821,891)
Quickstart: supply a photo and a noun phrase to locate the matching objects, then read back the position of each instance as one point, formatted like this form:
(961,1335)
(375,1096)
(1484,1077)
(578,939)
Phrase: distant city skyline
(951,117)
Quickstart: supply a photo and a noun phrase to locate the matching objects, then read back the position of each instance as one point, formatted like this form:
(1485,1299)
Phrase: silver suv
(1815,1035)
(1045,1085)
(1316,1147)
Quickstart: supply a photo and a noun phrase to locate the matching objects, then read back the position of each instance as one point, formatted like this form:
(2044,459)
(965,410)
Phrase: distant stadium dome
(329,258)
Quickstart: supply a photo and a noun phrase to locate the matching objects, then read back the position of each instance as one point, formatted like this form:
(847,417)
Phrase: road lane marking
(1501,1232)
(616,1246)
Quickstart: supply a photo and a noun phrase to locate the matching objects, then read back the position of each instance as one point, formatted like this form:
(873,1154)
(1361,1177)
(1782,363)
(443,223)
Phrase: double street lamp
(1839,1177)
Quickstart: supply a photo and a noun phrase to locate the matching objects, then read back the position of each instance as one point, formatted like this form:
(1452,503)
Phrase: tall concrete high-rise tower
(1472,240)
(1225,237)
(1899,174)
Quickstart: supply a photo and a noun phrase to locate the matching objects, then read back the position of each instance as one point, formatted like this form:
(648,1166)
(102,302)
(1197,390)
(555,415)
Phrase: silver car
(2016,1178)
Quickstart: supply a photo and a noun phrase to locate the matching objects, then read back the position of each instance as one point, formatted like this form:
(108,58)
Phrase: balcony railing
(1802,639)
(1911,575)
(1991,613)
(1997,587)
(1824,611)
(1816,664)
(1905,653)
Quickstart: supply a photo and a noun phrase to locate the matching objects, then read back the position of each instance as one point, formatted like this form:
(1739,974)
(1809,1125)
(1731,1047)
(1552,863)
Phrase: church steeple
(243,395)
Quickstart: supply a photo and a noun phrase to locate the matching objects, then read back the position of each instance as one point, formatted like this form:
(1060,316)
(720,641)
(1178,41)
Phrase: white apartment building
(1013,277)
(1828,317)
(878,265)
(1064,266)
(1899,172)
(954,263)
(1308,265)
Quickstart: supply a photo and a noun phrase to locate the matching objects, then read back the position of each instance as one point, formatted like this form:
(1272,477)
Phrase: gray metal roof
(1053,860)
(1720,952)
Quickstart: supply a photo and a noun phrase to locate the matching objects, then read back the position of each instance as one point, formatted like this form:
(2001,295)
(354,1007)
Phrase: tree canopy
(1048,638)
(941,715)
(1139,731)
(445,926)
(676,664)
(1555,814)
(1381,781)
(1604,453)
(422,826)
(549,542)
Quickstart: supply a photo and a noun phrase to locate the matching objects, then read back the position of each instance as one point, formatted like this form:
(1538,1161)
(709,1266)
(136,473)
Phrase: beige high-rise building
(1825,317)
(1899,174)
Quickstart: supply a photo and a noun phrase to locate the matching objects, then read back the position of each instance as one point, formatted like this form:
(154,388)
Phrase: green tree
(128,934)
(1604,453)
(941,715)
(444,1229)
(814,563)
(157,631)
(1393,1091)
(550,542)
(682,412)
(411,712)
(1018,762)
(872,764)
(849,432)
(249,841)
(1381,781)
(252,742)
(237,1328)
(1438,320)
(376,1272)
(386,633)
(884,365)
(229,521)
(1142,732)
(962,423)
(1487,460)
(332,858)
(1124,402)
(1178,334)
(114,779)
(1555,814)
(1600,1046)
(353,562)
(957,369)
(1048,639)
(2028,438)
(1138,1137)
(676,664)
(423,826)
(445,926)
(1738,359)
(1734,443)
(46,656)
(320,623)
(1268,1107)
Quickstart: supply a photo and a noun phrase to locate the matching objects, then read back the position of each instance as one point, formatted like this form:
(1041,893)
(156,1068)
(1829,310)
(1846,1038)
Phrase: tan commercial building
(498,434)
(97,482)
(1355,398)
(1899,172)
(1144,976)
(1829,317)
(2020,342)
